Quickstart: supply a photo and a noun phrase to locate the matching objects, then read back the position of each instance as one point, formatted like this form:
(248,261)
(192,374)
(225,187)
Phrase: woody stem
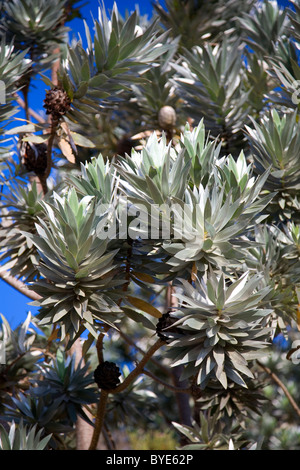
(139,368)
(99,419)
(54,124)
(282,386)
(101,408)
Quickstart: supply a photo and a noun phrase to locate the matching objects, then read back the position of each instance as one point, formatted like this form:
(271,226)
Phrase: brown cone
(34,157)
(107,375)
(57,103)
(164,324)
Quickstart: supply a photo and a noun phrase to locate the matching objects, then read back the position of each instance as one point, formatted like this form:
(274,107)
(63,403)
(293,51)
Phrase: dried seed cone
(165,322)
(57,103)
(167,118)
(34,157)
(107,375)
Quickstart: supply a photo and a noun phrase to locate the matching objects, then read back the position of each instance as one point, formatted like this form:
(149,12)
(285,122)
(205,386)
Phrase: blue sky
(14,306)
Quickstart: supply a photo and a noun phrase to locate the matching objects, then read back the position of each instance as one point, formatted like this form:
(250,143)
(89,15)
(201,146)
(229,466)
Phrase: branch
(84,430)
(110,444)
(281,385)
(55,67)
(158,364)
(99,419)
(99,344)
(50,146)
(139,368)
(31,112)
(54,122)
(19,286)
(104,393)
(166,385)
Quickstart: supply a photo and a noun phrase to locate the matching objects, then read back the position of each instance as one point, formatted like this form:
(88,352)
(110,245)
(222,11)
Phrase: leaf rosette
(220,329)
(210,221)
(79,275)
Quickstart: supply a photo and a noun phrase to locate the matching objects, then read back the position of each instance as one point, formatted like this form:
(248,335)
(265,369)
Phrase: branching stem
(166,385)
(19,286)
(54,125)
(99,344)
(101,408)
(139,367)
(158,364)
(281,385)
(31,111)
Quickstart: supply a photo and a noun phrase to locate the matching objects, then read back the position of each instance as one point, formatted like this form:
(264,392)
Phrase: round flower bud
(167,118)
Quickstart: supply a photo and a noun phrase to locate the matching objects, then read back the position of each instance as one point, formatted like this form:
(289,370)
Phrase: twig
(54,124)
(9,366)
(99,344)
(26,107)
(110,444)
(99,348)
(31,112)
(55,67)
(19,286)
(166,385)
(134,344)
(139,368)
(157,294)
(45,352)
(281,385)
